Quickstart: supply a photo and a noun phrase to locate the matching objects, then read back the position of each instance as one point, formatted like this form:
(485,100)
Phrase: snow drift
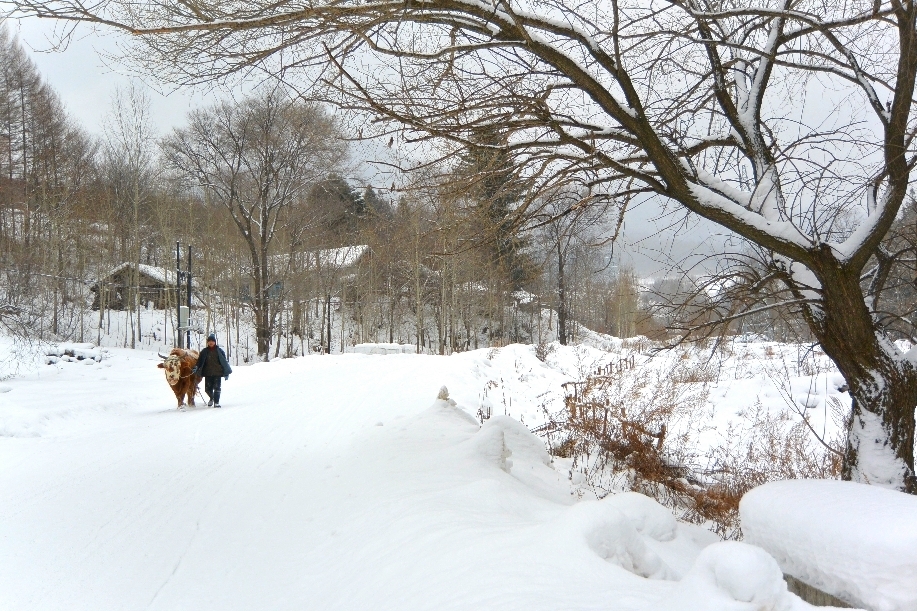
(853,541)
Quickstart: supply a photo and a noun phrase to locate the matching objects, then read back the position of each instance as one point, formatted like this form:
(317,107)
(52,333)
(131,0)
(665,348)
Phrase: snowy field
(341,482)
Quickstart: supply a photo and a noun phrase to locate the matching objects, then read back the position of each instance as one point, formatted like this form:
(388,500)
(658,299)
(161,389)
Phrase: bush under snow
(732,576)
(72,352)
(853,541)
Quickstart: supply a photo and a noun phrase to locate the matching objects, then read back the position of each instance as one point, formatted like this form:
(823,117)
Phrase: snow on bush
(72,352)
(853,541)
(696,428)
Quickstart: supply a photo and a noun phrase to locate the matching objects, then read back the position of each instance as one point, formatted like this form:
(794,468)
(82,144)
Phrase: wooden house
(115,290)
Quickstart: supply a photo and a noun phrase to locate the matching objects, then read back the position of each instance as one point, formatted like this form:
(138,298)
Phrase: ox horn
(161,355)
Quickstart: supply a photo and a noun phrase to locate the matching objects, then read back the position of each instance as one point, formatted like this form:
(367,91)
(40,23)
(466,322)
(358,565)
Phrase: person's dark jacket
(201,367)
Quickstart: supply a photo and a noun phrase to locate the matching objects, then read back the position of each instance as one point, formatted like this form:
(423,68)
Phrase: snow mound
(612,536)
(732,576)
(647,516)
(853,541)
(524,444)
(507,444)
(490,444)
(635,533)
(444,404)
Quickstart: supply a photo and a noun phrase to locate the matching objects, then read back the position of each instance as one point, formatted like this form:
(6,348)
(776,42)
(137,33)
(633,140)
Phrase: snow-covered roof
(327,258)
(159,274)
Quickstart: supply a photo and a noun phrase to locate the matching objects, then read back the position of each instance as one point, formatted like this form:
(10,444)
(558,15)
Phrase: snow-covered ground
(335,482)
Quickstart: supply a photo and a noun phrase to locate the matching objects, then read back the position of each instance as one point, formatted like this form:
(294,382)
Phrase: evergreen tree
(488,177)
(376,204)
(341,208)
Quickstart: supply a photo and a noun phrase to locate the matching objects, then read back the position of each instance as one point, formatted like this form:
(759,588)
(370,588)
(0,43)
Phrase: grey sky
(86,84)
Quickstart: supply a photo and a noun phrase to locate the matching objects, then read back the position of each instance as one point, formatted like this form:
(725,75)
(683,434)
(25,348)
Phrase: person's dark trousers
(212,387)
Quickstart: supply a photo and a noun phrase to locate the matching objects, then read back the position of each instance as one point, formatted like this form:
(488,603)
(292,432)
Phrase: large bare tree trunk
(882,382)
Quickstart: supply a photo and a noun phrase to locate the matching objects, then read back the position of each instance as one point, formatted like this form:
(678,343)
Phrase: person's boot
(216,399)
(210,403)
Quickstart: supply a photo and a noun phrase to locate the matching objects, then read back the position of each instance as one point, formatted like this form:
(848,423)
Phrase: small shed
(115,290)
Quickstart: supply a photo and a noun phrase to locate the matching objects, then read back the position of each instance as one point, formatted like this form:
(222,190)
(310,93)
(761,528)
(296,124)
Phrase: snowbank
(383,349)
(332,483)
(853,541)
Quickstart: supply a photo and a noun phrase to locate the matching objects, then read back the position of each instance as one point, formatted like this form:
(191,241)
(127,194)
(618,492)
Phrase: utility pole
(188,274)
(178,278)
(183,313)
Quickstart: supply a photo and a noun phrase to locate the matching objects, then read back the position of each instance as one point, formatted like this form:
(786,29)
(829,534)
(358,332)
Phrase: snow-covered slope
(337,482)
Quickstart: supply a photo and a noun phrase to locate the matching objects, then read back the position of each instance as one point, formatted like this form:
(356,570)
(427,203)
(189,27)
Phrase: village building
(116,290)
(320,270)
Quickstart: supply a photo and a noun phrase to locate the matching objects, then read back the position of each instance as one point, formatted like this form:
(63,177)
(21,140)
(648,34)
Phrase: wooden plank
(813,596)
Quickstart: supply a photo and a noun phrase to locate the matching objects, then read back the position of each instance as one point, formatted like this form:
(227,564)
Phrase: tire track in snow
(181,557)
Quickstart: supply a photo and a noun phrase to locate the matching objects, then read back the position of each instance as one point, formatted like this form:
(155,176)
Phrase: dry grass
(640,430)
(639,344)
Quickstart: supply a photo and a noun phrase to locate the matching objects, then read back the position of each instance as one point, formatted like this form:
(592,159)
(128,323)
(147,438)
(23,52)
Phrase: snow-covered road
(324,483)
(291,496)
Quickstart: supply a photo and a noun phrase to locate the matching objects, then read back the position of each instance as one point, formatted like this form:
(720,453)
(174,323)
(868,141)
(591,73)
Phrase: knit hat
(213,337)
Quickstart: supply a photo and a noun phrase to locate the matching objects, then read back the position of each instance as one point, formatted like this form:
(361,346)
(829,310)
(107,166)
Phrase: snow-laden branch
(877,211)
(749,223)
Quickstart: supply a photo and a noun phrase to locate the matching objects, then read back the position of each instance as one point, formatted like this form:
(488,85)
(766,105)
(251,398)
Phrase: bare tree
(789,122)
(255,158)
(566,218)
(45,164)
(129,164)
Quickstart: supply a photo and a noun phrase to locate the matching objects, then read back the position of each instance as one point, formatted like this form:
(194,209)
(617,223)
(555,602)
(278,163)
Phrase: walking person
(212,365)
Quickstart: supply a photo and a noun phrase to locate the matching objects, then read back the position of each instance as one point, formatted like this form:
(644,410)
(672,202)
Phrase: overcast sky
(86,83)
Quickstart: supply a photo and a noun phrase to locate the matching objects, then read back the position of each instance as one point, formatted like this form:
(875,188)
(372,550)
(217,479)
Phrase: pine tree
(487,175)
(341,208)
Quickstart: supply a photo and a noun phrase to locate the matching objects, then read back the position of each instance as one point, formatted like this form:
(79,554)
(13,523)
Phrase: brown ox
(178,366)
